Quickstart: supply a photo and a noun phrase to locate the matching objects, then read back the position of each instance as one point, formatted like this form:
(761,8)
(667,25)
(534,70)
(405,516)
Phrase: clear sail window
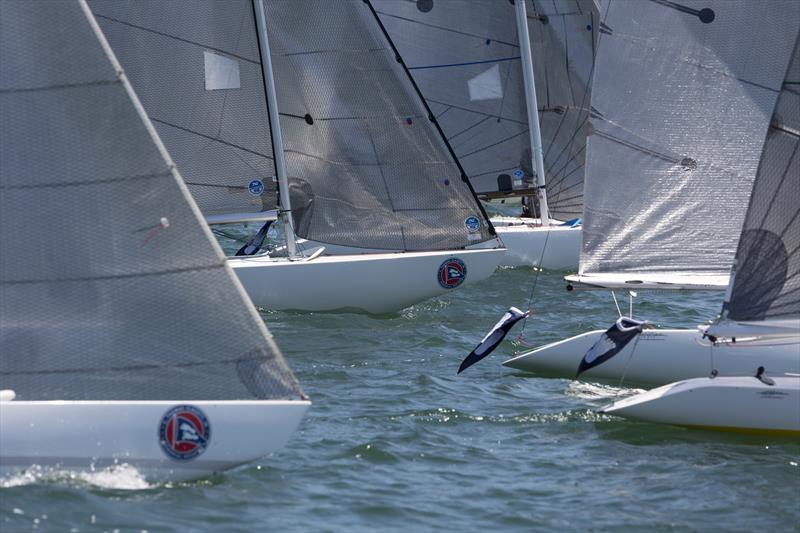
(486,85)
(221,72)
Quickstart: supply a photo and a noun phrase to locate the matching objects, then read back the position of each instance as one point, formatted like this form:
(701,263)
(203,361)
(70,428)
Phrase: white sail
(111,288)
(366,166)
(197,70)
(465,57)
(681,99)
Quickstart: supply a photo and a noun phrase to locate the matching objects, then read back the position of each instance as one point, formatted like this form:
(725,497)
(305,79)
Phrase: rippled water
(396,441)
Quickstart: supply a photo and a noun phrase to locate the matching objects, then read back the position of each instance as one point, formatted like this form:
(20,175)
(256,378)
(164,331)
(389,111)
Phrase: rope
(616,303)
(533,287)
(628,362)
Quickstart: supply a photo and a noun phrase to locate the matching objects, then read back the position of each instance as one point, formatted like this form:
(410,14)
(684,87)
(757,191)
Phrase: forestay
(197,70)
(682,96)
(111,287)
(366,166)
(465,56)
(766,280)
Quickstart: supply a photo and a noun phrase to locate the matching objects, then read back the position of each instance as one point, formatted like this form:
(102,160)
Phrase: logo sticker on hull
(184,432)
(452,273)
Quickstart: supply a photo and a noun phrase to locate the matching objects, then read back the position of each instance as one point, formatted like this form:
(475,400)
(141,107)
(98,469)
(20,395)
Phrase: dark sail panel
(766,283)
(366,166)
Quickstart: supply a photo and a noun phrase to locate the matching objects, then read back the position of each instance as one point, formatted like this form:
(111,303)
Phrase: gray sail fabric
(766,284)
(681,98)
(465,57)
(366,167)
(111,286)
(196,67)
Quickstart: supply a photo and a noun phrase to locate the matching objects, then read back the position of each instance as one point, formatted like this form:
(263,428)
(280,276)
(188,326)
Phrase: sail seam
(163,174)
(60,86)
(209,137)
(112,276)
(132,368)
(180,39)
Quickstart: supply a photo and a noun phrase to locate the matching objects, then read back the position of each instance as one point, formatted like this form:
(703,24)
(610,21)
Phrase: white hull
(525,243)
(742,404)
(375,283)
(661,356)
(80,436)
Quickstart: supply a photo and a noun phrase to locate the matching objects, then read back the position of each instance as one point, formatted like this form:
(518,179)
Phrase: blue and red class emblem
(452,273)
(184,432)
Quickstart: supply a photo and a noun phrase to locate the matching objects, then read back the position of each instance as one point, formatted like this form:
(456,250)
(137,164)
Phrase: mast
(275,128)
(533,108)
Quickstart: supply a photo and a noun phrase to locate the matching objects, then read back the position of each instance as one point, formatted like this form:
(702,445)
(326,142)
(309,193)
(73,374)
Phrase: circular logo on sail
(184,432)
(256,187)
(452,273)
(473,224)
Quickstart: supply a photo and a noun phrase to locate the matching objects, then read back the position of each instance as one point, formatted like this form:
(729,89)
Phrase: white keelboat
(310,92)
(762,306)
(664,210)
(125,338)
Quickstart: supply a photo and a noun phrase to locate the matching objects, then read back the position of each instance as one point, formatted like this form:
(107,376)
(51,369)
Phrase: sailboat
(762,306)
(125,338)
(375,211)
(482,65)
(666,189)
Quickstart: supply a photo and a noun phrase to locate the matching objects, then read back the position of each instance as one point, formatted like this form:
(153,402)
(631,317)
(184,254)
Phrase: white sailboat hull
(661,356)
(550,247)
(375,283)
(742,404)
(88,435)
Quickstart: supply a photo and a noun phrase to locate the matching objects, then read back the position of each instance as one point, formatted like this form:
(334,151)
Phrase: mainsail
(465,56)
(111,286)
(766,279)
(366,166)
(197,70)
(681,100)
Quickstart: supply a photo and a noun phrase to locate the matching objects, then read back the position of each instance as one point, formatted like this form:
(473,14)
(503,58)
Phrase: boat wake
(597,391)
(115,477)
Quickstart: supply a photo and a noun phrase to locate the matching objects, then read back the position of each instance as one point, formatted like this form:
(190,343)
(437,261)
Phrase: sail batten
(681,103)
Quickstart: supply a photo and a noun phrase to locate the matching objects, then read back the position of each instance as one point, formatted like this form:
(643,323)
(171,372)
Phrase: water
(396,441)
